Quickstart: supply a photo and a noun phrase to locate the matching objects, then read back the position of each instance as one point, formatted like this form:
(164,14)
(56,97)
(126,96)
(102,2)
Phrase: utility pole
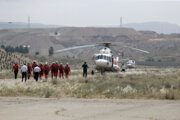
(121,21)
(29,22)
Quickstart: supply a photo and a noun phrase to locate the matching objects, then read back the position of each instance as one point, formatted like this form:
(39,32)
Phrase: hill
(7,60)
(41,39)
(162,47)
(159,27)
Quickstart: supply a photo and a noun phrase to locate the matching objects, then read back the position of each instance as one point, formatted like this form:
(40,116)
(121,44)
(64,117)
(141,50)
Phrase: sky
(90,12)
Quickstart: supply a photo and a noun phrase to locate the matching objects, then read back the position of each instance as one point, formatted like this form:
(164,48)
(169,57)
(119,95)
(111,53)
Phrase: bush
(150,59)
(48,94)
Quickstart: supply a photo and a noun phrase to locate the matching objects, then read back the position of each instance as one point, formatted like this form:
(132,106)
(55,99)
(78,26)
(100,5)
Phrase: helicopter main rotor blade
(137,49)
(114,52)
(77,47)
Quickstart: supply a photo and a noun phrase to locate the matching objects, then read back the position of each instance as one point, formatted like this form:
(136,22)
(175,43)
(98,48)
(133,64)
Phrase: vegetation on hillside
(51,51)
(7,59)
(19,49)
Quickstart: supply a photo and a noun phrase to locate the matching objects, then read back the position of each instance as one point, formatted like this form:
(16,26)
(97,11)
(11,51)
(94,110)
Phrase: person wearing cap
(42,70)
(85,67)
(36,72)
(46,70)
(67,70)
(61,71)
(24,70)
(15,69)
(29,70)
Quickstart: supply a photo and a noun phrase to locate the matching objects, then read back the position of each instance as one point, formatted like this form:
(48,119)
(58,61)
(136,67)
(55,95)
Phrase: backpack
(67,69)
(41,67)
(45,68)
(56,67)
(61,68)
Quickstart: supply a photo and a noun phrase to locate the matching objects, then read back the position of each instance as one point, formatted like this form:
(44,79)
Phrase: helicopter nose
(101,63)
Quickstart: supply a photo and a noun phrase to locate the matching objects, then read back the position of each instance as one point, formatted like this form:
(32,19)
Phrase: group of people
(42,70)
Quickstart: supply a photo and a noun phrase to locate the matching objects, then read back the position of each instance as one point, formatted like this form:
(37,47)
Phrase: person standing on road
(85,67)
(36,73)
(15,69)
(24,70)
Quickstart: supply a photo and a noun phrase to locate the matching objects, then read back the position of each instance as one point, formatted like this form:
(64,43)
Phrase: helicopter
(131,64)
(106,60)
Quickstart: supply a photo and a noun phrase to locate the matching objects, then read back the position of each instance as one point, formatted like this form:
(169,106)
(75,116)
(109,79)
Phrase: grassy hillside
(7,60)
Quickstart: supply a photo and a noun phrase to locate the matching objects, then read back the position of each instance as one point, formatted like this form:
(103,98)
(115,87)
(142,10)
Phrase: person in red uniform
(67,70)
(52,69)
(56,69)
(33,66)
(15,69)
(29,70)
(61,71)
(46,70)
(42,70)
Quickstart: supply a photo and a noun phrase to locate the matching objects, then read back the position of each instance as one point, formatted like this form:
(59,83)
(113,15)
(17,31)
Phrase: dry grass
(149,83)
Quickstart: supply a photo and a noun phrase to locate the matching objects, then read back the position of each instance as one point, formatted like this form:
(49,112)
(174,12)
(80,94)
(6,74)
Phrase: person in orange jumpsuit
(67,70)
(46,70)
(29,70)
(42,70)
(56,69)
(33,66)
(15,69)
(61,71)
(52,69)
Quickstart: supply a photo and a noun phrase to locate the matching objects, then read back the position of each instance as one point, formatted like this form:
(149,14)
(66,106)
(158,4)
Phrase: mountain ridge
(159,27)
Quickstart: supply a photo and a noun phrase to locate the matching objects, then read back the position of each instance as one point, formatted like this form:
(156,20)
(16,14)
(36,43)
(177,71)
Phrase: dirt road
(24,108)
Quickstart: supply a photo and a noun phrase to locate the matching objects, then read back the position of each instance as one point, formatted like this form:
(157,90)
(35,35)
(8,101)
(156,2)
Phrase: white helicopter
(131,64)
(105,60)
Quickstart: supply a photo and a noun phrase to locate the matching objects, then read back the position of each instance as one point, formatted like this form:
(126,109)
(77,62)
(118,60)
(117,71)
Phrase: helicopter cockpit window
(97,57)
(102,57)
